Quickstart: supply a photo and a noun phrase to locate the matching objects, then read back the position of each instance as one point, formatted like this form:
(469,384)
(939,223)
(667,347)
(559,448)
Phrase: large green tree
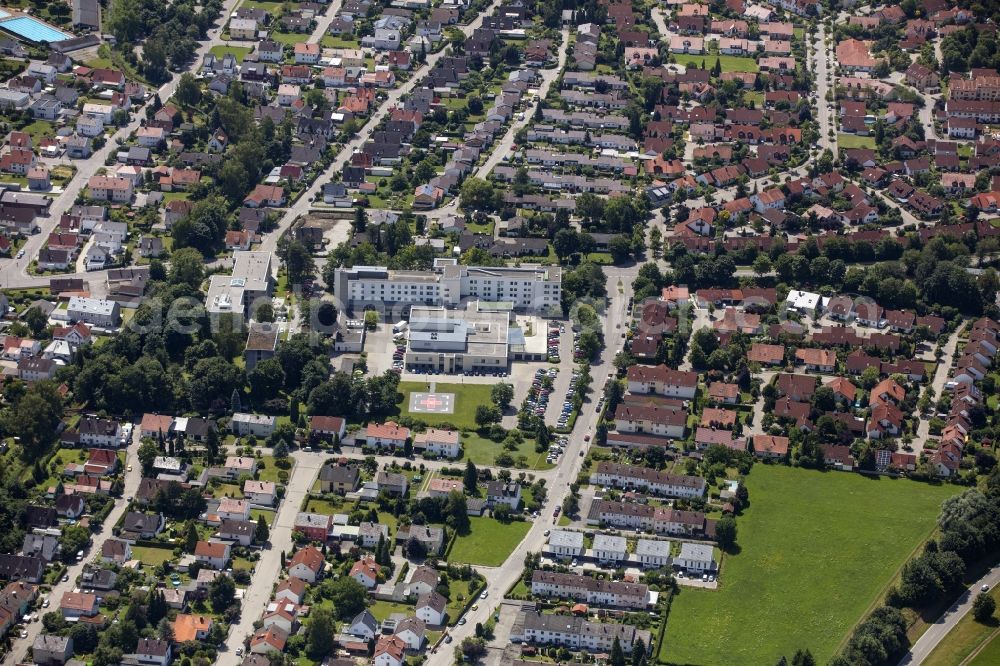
(34,417)
(319,641)
(479,194)
(348,595)
(222,592)
(212,383)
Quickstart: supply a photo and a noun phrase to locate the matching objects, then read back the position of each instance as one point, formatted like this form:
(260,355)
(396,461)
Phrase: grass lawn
(239,52)
(482,451)
(734,63)
(600,258)
(227,490)
(291,38)
(99,63)
(989,655)
(383,609)
(481,228)
(818,547)
(39,130)
(267,513)
(467,398)
(389,520)
(242,563)
(459,598)
(338,42)
(855,141)
(269,6)
(322,507)
(58,462)
(488,543)
(269,471)
(967,636)
(152,556)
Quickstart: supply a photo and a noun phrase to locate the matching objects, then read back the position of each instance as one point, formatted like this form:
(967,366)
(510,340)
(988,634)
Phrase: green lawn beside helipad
(816,550)
(467,398)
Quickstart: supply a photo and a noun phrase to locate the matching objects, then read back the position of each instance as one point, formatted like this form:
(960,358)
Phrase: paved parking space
(561,383)
(508,613)
(697,582)
(379,345)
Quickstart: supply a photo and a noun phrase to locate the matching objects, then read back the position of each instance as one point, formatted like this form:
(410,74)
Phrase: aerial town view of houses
(499,332)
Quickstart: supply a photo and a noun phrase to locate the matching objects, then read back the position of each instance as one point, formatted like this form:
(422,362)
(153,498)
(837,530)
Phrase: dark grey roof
(16,567)
(339,474)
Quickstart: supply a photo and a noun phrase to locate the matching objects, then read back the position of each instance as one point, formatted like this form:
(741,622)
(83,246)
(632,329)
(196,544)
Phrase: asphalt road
(20,646)
(823,59)
(502,148)
(304,202)
(937,385)
(268,568)
(13,273)
(501,578)
(937,631)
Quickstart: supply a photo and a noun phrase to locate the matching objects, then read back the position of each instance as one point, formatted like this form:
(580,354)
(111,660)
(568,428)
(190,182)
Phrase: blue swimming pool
(34,30)
(4,14)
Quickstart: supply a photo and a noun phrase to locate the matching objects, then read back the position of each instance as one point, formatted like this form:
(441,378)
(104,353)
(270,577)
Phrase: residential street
(937,631)
(500,579)
(13,274)
(502,147)
(661,23)
(937,385)
(305,201)
(758,406)
(824,70)
(265,575)
(20,646)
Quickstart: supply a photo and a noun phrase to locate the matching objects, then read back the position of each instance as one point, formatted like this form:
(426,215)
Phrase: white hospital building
(532,287)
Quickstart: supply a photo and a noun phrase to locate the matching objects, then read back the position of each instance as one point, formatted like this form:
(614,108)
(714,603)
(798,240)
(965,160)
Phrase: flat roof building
(528,287)
(94,311)
(251,279)
(457,340)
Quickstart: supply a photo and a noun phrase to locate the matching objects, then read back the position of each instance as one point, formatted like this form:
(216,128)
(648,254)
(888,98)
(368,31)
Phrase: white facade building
(695,557)
(563,543)
(528,287)
(94,311)
(652,554)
